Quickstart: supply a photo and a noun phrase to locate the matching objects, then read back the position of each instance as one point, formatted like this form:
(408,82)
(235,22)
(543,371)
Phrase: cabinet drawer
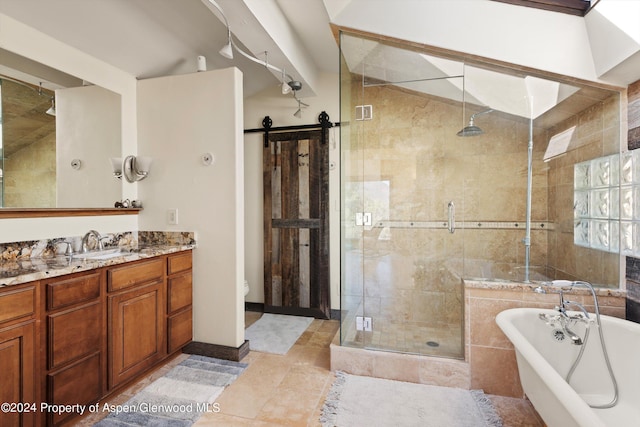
(179,262)
(74,334)
(134,274)
(180,330)
(179,291)
(17,303)
(73,291)
(80,384)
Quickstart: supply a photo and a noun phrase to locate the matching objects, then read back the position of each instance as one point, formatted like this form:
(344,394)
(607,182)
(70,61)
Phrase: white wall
(281,108)
(179,119)
(554,42)
(88,129)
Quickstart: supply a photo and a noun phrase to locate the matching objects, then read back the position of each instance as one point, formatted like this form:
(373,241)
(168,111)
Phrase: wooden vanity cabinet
(136,313)
(77,338)
(75,362)
(18,334)
(179,301)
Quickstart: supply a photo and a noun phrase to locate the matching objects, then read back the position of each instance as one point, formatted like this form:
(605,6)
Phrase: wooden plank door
(296,224)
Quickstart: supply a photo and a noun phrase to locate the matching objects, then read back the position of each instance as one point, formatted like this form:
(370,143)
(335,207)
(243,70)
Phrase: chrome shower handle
(451,223)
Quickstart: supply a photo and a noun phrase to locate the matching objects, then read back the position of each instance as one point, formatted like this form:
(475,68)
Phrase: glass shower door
(403,189)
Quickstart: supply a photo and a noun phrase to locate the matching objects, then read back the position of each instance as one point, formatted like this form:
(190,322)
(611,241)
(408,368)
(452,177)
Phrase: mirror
(59,161)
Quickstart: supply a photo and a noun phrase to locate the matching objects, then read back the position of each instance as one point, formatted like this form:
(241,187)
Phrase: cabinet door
(136,331)
(17,378)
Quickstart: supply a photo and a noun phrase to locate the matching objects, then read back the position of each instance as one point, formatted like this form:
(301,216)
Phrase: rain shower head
(471,129)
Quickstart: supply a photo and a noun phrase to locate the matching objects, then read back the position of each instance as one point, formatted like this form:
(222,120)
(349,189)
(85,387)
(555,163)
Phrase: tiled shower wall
(411,142)
(597,134)
(30,174)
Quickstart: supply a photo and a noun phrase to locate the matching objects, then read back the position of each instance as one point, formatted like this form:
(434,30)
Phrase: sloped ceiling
(151,38)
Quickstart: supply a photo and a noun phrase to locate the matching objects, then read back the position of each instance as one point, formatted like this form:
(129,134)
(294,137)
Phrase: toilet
(246,288)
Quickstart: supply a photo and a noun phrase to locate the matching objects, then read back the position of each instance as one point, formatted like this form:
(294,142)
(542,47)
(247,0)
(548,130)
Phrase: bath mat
(366,401)
(179,397)
(276,333)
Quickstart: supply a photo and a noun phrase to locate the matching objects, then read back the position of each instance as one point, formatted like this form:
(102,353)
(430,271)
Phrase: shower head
(471,129)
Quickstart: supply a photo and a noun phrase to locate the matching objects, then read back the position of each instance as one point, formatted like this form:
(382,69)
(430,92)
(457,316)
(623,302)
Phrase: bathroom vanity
(76,338)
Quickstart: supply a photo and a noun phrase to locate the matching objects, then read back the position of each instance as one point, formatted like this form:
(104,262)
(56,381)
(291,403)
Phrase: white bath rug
(365,401)
(276,333)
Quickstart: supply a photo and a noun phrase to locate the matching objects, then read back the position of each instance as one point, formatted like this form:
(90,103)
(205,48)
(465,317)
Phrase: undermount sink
(101,254)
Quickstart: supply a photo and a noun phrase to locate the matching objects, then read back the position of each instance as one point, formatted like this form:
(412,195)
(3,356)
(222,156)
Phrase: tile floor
(289,390)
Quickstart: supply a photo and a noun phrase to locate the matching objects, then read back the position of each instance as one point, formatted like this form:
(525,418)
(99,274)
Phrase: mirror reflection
(61,160)
(28,146)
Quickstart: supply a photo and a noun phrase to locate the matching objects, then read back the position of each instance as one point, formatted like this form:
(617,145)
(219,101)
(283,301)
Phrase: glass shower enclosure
(436,189)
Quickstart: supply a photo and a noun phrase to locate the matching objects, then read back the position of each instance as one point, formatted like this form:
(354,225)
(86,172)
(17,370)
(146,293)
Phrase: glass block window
(606,203)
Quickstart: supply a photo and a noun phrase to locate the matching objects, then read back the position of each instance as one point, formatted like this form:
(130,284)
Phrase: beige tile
(495,371)
(445,373)
(289,407)
(516,412)
(482,316)
(244,400)
(224,420)
(289,390)
(353,361)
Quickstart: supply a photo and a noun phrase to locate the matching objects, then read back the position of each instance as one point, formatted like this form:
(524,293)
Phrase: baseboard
(254,306)
(259,307)
(218,351)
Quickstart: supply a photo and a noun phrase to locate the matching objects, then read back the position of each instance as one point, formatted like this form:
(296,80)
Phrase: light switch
(172,216)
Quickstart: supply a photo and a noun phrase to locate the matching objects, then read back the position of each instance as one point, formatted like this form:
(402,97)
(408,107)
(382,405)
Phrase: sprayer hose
(606,359)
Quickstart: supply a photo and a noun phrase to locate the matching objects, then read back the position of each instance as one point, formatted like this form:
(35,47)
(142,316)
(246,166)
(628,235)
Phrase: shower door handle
(451,223)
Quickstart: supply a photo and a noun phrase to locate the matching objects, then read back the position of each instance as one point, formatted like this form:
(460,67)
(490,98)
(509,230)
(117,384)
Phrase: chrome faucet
(563,318)
(68,250)
(85,240)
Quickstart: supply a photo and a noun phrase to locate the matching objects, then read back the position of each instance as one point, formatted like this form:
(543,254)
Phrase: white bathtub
(543,363)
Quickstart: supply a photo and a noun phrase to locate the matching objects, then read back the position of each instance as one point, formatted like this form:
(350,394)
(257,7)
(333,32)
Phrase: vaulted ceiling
(151,38)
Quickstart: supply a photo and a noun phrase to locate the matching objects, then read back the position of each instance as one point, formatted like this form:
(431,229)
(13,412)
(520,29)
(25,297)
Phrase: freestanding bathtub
(544,359)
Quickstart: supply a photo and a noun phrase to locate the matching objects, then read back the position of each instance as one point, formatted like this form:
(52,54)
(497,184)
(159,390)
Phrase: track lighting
(52,110)
(227,49)
(301,104)
(288,84)
(286,88)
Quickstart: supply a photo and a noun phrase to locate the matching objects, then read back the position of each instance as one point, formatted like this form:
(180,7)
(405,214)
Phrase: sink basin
(98,255)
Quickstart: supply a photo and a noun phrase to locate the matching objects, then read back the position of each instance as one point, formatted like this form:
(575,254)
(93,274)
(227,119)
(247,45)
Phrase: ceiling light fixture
(227,52)
(301,104)
(286,88)
(227,49)
(52,110)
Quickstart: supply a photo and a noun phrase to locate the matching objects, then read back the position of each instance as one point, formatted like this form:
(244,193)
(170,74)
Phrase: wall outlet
(172,216)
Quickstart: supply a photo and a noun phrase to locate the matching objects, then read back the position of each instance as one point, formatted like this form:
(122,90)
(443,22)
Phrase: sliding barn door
(296,224)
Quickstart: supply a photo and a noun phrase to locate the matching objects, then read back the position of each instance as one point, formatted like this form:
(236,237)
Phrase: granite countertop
(521,286)
(15,272)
